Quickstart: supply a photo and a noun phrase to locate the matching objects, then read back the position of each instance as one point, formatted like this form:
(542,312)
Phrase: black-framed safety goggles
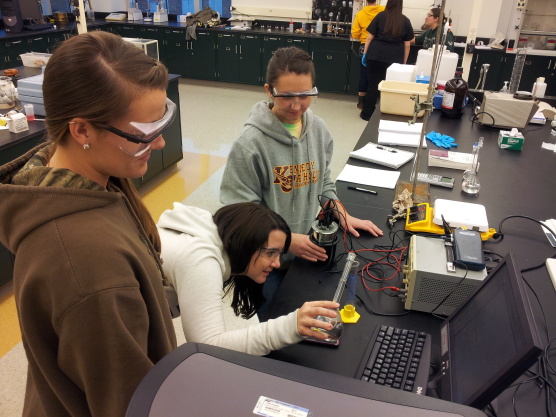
(138,132)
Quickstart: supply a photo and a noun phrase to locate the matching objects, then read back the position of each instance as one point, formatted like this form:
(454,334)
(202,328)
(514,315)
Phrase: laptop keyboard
(397,358)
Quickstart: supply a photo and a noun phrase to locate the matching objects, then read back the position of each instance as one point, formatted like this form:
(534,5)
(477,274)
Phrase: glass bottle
(453,99)
(470,183)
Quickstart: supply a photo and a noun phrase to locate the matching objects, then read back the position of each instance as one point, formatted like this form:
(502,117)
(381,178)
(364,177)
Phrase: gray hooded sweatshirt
(268,165)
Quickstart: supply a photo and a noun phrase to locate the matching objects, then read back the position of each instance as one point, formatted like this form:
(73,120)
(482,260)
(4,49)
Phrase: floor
(212,115)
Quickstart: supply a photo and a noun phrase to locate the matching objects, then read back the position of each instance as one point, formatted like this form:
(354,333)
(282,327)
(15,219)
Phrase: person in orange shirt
(362,20)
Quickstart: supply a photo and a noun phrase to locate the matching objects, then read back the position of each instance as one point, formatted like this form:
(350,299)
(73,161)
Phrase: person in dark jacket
(390,34)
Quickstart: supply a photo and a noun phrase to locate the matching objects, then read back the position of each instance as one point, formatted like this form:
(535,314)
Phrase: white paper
(369,176)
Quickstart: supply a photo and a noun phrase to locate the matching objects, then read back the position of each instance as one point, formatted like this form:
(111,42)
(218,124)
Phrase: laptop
(488,341)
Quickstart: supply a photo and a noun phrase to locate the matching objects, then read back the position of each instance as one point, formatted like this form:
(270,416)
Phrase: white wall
(109,5)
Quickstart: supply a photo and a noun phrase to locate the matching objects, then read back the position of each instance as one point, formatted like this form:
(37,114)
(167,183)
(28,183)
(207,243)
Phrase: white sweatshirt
(195,263)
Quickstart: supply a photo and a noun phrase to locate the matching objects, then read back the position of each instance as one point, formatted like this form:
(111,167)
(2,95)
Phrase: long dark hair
(244,228)
(394,18)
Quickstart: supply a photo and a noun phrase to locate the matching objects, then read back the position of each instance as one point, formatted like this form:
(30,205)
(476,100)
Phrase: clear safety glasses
(270,253)
(287,99)
(140,135)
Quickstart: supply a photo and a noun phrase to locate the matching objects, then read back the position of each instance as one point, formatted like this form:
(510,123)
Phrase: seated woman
(206,257)
(428,38)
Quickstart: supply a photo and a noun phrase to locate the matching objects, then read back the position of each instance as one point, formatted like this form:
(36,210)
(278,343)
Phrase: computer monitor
(30,11)
(490,340)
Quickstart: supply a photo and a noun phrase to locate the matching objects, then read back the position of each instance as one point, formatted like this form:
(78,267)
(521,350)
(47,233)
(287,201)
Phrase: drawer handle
(328,56)
(527,62)
(227,48)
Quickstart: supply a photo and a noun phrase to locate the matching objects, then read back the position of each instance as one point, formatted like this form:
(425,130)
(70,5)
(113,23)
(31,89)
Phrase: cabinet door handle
(549,64)
(476,58)
(328,56)
(240,49)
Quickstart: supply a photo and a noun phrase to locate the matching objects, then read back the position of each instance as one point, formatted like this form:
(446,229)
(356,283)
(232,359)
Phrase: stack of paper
(449,159)
(382,155)
(400,133)
(369,176)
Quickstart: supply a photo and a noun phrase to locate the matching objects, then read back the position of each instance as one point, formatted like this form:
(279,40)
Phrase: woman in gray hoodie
(282,157)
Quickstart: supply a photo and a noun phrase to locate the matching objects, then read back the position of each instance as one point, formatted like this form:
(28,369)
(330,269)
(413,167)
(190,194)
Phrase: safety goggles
(270,253)
(142,134)
(288,99)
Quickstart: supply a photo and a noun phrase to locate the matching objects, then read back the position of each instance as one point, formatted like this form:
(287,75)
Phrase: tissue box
(17,123)
(507,140)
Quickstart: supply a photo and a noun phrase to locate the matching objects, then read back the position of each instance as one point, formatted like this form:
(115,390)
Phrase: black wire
(362,303)
(501,233)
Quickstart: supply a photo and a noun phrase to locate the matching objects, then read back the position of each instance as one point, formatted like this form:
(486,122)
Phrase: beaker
(337,329)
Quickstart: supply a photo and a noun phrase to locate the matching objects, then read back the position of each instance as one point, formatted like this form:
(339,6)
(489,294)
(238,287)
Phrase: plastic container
(447,68)
(34,59)
(539,88)
(291,26)
(29,112)
(395,97)
(319,26)
(400,72)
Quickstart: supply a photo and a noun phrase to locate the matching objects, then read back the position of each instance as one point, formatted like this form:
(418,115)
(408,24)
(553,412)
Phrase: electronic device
(433,179)
(11,16)
(489,340)
(429,284)
(468,249)
(324,230)
(134,14)
(503,110)
(116,16)
(149,46)
(188,377)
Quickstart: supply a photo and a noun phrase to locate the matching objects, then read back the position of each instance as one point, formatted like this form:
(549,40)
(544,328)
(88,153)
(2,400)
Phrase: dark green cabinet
(172,152)
(251,70)
(239,58)
(227,54)
(13,48)
(301,43)
(354,68)
(269,45)
(331,58)
(495,60)
(536,66)
(193,58)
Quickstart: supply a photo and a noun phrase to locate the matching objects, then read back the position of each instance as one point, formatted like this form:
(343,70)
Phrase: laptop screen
(490,340)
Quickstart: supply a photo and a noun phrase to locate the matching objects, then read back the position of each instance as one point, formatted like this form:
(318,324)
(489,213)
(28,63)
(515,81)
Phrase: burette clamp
(419,107)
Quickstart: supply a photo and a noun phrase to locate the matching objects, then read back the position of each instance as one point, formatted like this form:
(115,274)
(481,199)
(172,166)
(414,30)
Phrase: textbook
(382,155)
(450,159)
